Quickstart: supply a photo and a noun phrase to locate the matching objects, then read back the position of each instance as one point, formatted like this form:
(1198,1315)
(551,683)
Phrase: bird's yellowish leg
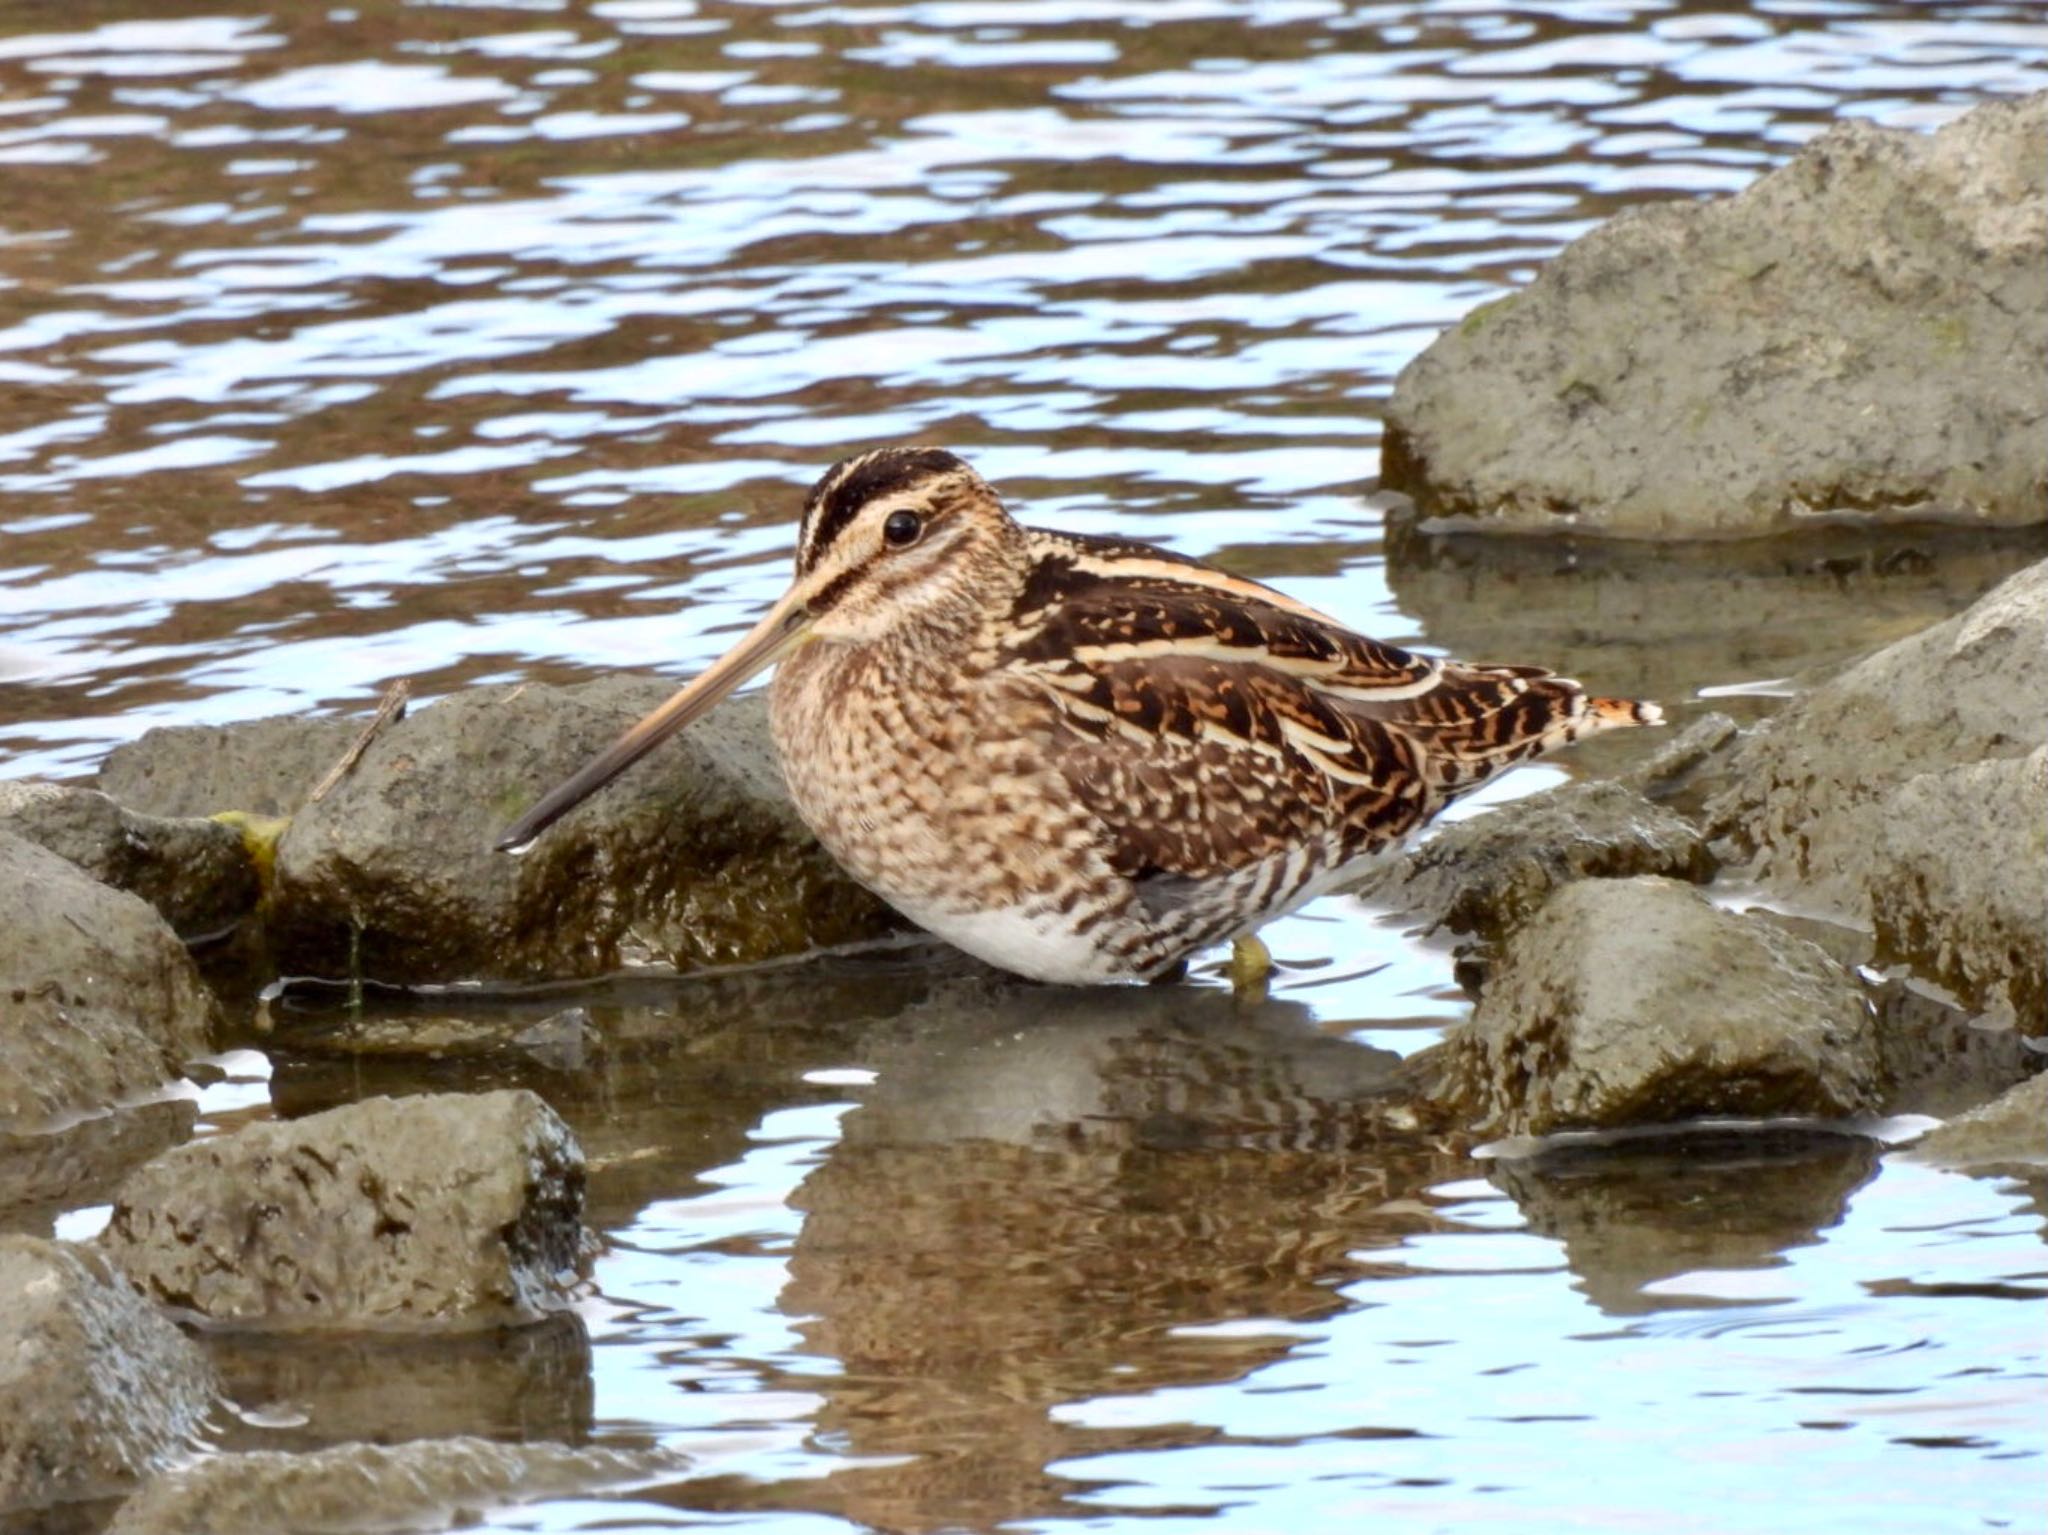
(1250,963)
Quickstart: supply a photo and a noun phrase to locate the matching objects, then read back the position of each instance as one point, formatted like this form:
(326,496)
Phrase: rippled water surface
(469,341)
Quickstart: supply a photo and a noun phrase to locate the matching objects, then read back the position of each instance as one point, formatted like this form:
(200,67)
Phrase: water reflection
(921,1247)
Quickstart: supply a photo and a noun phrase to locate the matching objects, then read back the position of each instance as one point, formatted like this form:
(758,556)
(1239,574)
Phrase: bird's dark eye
(902,529)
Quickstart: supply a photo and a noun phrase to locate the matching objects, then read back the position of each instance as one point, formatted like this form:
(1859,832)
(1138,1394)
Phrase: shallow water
(461,342)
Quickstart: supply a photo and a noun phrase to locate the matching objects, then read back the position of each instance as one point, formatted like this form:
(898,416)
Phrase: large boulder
(1631,1002)
(98,999)
(695,857)
(1844,800)
(428,1484)
(199,874)
(96,1388)
(449,1209)
(1863,330)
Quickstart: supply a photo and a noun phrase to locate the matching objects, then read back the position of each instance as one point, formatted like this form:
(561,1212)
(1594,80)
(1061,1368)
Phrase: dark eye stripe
(854,483)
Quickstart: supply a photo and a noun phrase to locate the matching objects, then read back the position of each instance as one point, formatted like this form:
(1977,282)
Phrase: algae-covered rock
(695,857)
(98,999)
(1631,1002)
(1960,883)
(96,1388)
(197,873)
(1864,329)
(1824,806)
(1488,874)
(423,1485)
(444,1209)
(2009,1131)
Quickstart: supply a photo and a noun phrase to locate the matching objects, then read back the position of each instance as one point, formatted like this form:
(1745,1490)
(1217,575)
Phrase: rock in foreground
(422,1485)
(1633,1002)
(95,1387)
(695,857)
(98,999)
(436,1210)
(1863,330)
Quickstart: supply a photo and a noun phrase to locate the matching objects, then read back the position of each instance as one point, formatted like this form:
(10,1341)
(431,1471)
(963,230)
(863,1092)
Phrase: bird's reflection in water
(1041,1189)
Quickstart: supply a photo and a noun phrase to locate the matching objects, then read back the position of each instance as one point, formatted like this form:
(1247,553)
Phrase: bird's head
(892,541)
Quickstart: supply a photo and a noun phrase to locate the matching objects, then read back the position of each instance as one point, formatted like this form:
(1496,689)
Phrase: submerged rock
(98,999)
(1829,804)
(96,1388)
(197,873)
(1861,330)
(422,1485)
(432,1210)
(2011,1130)
(1489,874)
(1632,1002)
(693,858)
(506,1383)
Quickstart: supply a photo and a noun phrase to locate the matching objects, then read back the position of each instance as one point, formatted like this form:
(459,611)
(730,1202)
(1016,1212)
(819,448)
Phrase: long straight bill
(769,640)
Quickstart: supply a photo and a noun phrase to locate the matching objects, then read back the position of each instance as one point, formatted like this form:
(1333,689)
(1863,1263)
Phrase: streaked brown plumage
(1083,759)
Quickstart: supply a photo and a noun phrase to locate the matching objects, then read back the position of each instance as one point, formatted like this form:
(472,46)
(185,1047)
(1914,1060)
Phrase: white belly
(1028,940)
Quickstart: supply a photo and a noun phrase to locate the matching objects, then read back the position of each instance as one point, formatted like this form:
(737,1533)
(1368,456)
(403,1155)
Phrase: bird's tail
(1512,714)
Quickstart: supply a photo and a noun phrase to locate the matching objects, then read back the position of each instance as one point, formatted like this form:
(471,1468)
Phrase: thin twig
(391,710)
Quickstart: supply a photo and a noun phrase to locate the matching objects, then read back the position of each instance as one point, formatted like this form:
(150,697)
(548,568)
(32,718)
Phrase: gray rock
(260,767)
(95,1387)
(1632,1002)
(444,1209)
(1960,884)
(695,857)
(1489,874)
(197,873)
(2009,1131)
(82,1162)
(1863,330)
(418,1486)
(1818,796)
(98,999)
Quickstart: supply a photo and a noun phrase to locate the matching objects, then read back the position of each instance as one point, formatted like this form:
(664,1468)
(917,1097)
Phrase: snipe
(1083,759)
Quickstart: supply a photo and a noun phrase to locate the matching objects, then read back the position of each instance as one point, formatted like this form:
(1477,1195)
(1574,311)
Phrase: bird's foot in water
(1251,963)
